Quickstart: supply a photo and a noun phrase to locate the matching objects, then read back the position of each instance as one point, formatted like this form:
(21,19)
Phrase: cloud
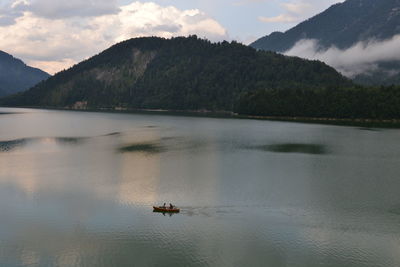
(71,8)
(58,9)
(146,19)
(299,7)
(299,10)
(54,44)
(283,18)
(245,2)
(362,57)
(10,11)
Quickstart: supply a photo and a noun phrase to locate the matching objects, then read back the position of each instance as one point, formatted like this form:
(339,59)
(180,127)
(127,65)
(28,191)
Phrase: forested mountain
(342,26)
(179,73)
(15,76)
(355,102)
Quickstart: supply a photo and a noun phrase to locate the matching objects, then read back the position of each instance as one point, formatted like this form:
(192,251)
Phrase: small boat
(165,209)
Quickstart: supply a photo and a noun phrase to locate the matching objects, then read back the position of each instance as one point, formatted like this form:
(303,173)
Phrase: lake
(77,189)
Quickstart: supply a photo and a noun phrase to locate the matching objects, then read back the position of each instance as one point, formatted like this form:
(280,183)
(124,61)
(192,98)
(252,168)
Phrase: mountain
(381,103)
(15,76)
(343,26)
(179,73)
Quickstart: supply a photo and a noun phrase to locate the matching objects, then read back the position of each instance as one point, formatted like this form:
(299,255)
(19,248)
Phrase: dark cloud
(56,9)
(10,11)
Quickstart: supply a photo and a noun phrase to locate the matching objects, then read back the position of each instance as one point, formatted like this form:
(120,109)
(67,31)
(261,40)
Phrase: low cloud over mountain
(362,57)
(357,37)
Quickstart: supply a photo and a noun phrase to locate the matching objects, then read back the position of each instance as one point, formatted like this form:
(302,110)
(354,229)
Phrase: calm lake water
(77,189)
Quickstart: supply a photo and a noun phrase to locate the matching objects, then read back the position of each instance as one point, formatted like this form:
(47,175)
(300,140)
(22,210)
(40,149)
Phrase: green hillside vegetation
(345,103)
(386,73)
(178,74)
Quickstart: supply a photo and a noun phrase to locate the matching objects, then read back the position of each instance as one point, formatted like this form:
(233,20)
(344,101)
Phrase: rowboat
(166,209)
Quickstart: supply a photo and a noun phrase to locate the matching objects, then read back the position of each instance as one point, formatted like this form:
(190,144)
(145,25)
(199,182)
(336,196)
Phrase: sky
(56,34)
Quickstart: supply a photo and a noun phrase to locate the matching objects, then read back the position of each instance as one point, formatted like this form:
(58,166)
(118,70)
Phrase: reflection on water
(71,200)
(6,146)
(170,214)
(142,147)
(9,113)
(70,140)
(296,148)
(113,133)
(139,178)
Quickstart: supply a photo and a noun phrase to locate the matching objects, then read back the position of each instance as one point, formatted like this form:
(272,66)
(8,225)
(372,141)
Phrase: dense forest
(179,73)
(347,103)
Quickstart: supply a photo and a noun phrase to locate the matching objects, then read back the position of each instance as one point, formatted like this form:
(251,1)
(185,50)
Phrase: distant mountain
(178,73)
(342,26)
(15,76)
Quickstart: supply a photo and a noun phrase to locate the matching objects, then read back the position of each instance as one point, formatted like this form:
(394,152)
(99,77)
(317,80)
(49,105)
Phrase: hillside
(343,26)
(356,102)
(15,76)
(179,73)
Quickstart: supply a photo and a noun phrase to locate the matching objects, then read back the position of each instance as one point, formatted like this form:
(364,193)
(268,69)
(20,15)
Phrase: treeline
(347,103)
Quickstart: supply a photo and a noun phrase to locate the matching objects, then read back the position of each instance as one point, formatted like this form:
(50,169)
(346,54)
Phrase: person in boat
(164,206)
(171,206)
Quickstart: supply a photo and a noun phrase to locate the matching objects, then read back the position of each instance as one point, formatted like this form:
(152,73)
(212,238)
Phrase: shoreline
(367,123)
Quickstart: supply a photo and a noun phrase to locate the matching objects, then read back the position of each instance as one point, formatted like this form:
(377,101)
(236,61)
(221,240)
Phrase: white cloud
(283,18)
(146,19)
(299,7)
(53,44)
(299,10)
(360,58)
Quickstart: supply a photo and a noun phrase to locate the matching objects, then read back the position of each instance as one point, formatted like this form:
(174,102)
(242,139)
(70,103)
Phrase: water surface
(76,189)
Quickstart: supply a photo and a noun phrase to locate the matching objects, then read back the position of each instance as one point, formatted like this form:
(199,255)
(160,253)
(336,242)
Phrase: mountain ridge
(361,25)
(16,76)
(360,20)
